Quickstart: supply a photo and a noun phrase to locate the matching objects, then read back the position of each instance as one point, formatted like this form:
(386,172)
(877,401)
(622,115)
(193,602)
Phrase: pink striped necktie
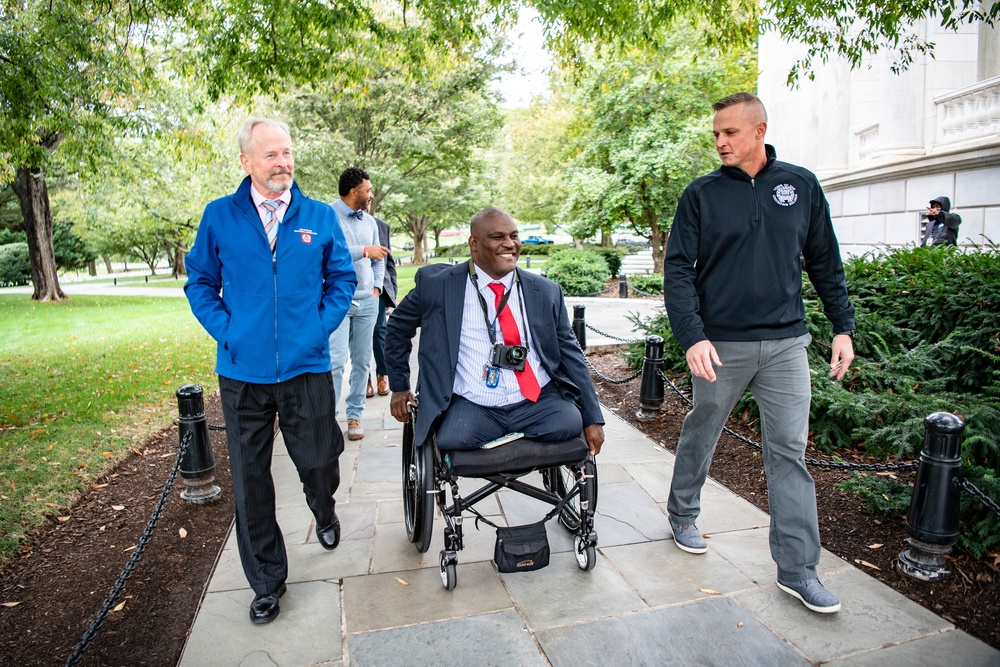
(271,223)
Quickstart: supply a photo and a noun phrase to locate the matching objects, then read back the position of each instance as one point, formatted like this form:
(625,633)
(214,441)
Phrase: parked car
(536,240)
(632,242)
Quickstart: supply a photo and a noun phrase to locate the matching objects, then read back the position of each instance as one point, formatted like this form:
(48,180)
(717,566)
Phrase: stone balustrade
(969,113)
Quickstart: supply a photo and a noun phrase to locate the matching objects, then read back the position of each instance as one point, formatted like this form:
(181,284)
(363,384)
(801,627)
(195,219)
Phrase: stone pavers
(376,601)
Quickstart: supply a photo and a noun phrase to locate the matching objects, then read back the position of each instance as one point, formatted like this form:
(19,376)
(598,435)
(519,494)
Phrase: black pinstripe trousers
(305,407)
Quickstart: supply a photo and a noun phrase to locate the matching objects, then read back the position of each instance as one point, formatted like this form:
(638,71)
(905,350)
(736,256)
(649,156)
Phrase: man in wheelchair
(497,354)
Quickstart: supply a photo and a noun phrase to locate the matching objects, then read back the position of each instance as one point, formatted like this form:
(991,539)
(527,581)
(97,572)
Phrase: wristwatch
(845,333)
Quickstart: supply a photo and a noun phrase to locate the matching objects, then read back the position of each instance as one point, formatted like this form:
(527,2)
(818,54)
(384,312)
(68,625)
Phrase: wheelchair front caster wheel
(449,576)
(586,556)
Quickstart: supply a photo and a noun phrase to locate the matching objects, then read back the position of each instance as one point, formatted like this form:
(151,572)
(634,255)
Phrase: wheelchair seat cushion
(514,457)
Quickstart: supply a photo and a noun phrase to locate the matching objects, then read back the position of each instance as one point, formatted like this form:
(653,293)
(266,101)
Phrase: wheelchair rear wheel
(560,480)
(418,484)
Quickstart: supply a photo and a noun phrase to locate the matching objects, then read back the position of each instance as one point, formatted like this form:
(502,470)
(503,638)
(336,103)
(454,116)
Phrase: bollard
(528,264)
(622,286)
(198,465)
(580,325)
(932,522)
(115,281)
(651,389)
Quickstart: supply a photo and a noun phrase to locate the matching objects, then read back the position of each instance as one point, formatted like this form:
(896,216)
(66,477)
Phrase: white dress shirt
(475,349)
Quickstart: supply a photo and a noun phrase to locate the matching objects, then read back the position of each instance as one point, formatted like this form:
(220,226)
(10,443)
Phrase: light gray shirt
(475,349)
(361,233)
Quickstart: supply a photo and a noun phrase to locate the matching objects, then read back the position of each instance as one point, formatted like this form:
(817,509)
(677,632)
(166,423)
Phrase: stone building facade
(885,144)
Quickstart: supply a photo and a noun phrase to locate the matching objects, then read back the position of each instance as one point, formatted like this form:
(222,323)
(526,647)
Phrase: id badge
(492,377)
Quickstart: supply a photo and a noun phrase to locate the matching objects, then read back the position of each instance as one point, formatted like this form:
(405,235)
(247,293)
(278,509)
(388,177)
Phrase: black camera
(510,356)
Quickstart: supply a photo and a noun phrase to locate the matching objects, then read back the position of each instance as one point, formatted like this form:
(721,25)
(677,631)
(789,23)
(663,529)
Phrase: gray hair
(749,99)
(246,131)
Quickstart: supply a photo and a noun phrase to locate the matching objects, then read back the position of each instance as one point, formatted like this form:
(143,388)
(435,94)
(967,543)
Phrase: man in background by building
(942,224)
(353,338)
(732,280)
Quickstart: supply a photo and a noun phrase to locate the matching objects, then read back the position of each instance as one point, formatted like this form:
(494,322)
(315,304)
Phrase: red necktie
(511,336)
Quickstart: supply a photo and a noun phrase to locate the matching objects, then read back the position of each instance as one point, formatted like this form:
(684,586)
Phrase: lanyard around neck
(491,326)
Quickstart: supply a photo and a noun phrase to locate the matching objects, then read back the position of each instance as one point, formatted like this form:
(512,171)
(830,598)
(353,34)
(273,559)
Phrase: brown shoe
(369,392)
(354,430)
(383,385)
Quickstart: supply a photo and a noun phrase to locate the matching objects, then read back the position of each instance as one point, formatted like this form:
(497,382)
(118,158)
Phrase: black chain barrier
(619,339)
(983,498)
(133,561)
(216,427)
(642,293)
(611,380)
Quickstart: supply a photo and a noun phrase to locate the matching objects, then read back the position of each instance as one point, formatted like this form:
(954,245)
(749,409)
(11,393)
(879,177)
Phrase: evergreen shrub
(15,266)
(578,272)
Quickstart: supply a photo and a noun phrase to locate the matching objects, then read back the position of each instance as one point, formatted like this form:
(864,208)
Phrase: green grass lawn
(85,380)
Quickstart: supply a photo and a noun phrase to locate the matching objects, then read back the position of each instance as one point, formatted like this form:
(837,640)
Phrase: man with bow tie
(353,338)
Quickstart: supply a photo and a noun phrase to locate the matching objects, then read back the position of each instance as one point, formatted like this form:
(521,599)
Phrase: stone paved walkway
(376,601)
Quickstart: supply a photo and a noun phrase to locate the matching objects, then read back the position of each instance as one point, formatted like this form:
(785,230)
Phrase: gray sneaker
(813,595)
(688,537)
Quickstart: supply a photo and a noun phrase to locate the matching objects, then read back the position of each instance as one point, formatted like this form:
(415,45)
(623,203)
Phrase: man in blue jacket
(732,284)
(270,277)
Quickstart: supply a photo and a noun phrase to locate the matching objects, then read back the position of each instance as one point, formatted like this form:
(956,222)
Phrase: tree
(643,132)
(416,127)
(74,69)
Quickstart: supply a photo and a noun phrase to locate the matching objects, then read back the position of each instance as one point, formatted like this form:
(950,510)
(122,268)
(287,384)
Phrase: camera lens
(515,353)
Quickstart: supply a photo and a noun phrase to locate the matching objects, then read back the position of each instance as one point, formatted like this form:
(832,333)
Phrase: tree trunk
(657,239)
(178,263)
(418,230)
(33,195)
(92,267)
(107,263)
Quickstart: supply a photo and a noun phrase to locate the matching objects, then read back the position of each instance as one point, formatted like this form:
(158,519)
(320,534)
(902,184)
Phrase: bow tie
(356,214)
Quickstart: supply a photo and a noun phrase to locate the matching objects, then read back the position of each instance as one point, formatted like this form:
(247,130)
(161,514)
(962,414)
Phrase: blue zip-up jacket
(272,315)
(733,266)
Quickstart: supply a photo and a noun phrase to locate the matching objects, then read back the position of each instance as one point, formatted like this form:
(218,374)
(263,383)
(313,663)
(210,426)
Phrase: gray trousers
(777,374)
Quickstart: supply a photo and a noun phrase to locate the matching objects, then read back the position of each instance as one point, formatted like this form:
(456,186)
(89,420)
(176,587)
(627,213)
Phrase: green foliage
(612,255)
(72,252)
(542,249)
(642,130)
(456,250)
(15,265)
(880,493)
(578,272)
(651,283)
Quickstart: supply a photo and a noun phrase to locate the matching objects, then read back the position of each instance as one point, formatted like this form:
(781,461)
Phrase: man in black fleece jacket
(942,224)
(732,284)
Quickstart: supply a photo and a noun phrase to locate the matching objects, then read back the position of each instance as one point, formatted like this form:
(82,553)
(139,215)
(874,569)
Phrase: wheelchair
(568,483)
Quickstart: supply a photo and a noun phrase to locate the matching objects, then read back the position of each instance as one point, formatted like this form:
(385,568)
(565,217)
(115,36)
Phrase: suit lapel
(454,306)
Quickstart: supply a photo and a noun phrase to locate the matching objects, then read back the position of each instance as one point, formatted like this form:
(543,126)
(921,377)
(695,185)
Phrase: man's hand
(702,359)
(595,438)
(377,251)
(399,405)
(843,355)
(375,292)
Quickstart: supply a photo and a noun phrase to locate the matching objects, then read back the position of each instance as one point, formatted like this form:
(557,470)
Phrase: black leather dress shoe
(329,537)
(264,608)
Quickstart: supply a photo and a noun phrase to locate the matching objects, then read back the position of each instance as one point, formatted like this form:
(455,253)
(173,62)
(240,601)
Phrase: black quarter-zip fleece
(733,267)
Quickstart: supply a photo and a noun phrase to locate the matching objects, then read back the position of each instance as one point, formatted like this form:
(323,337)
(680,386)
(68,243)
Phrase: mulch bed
(68,566)
(969,598)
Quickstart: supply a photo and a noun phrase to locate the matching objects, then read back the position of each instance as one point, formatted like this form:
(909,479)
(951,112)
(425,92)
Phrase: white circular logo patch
(785,194)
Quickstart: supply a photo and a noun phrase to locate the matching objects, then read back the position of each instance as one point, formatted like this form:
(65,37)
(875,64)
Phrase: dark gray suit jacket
(389,283)
(435,306)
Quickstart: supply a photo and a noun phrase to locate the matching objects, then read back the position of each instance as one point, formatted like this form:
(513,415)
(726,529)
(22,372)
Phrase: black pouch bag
(522,548)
